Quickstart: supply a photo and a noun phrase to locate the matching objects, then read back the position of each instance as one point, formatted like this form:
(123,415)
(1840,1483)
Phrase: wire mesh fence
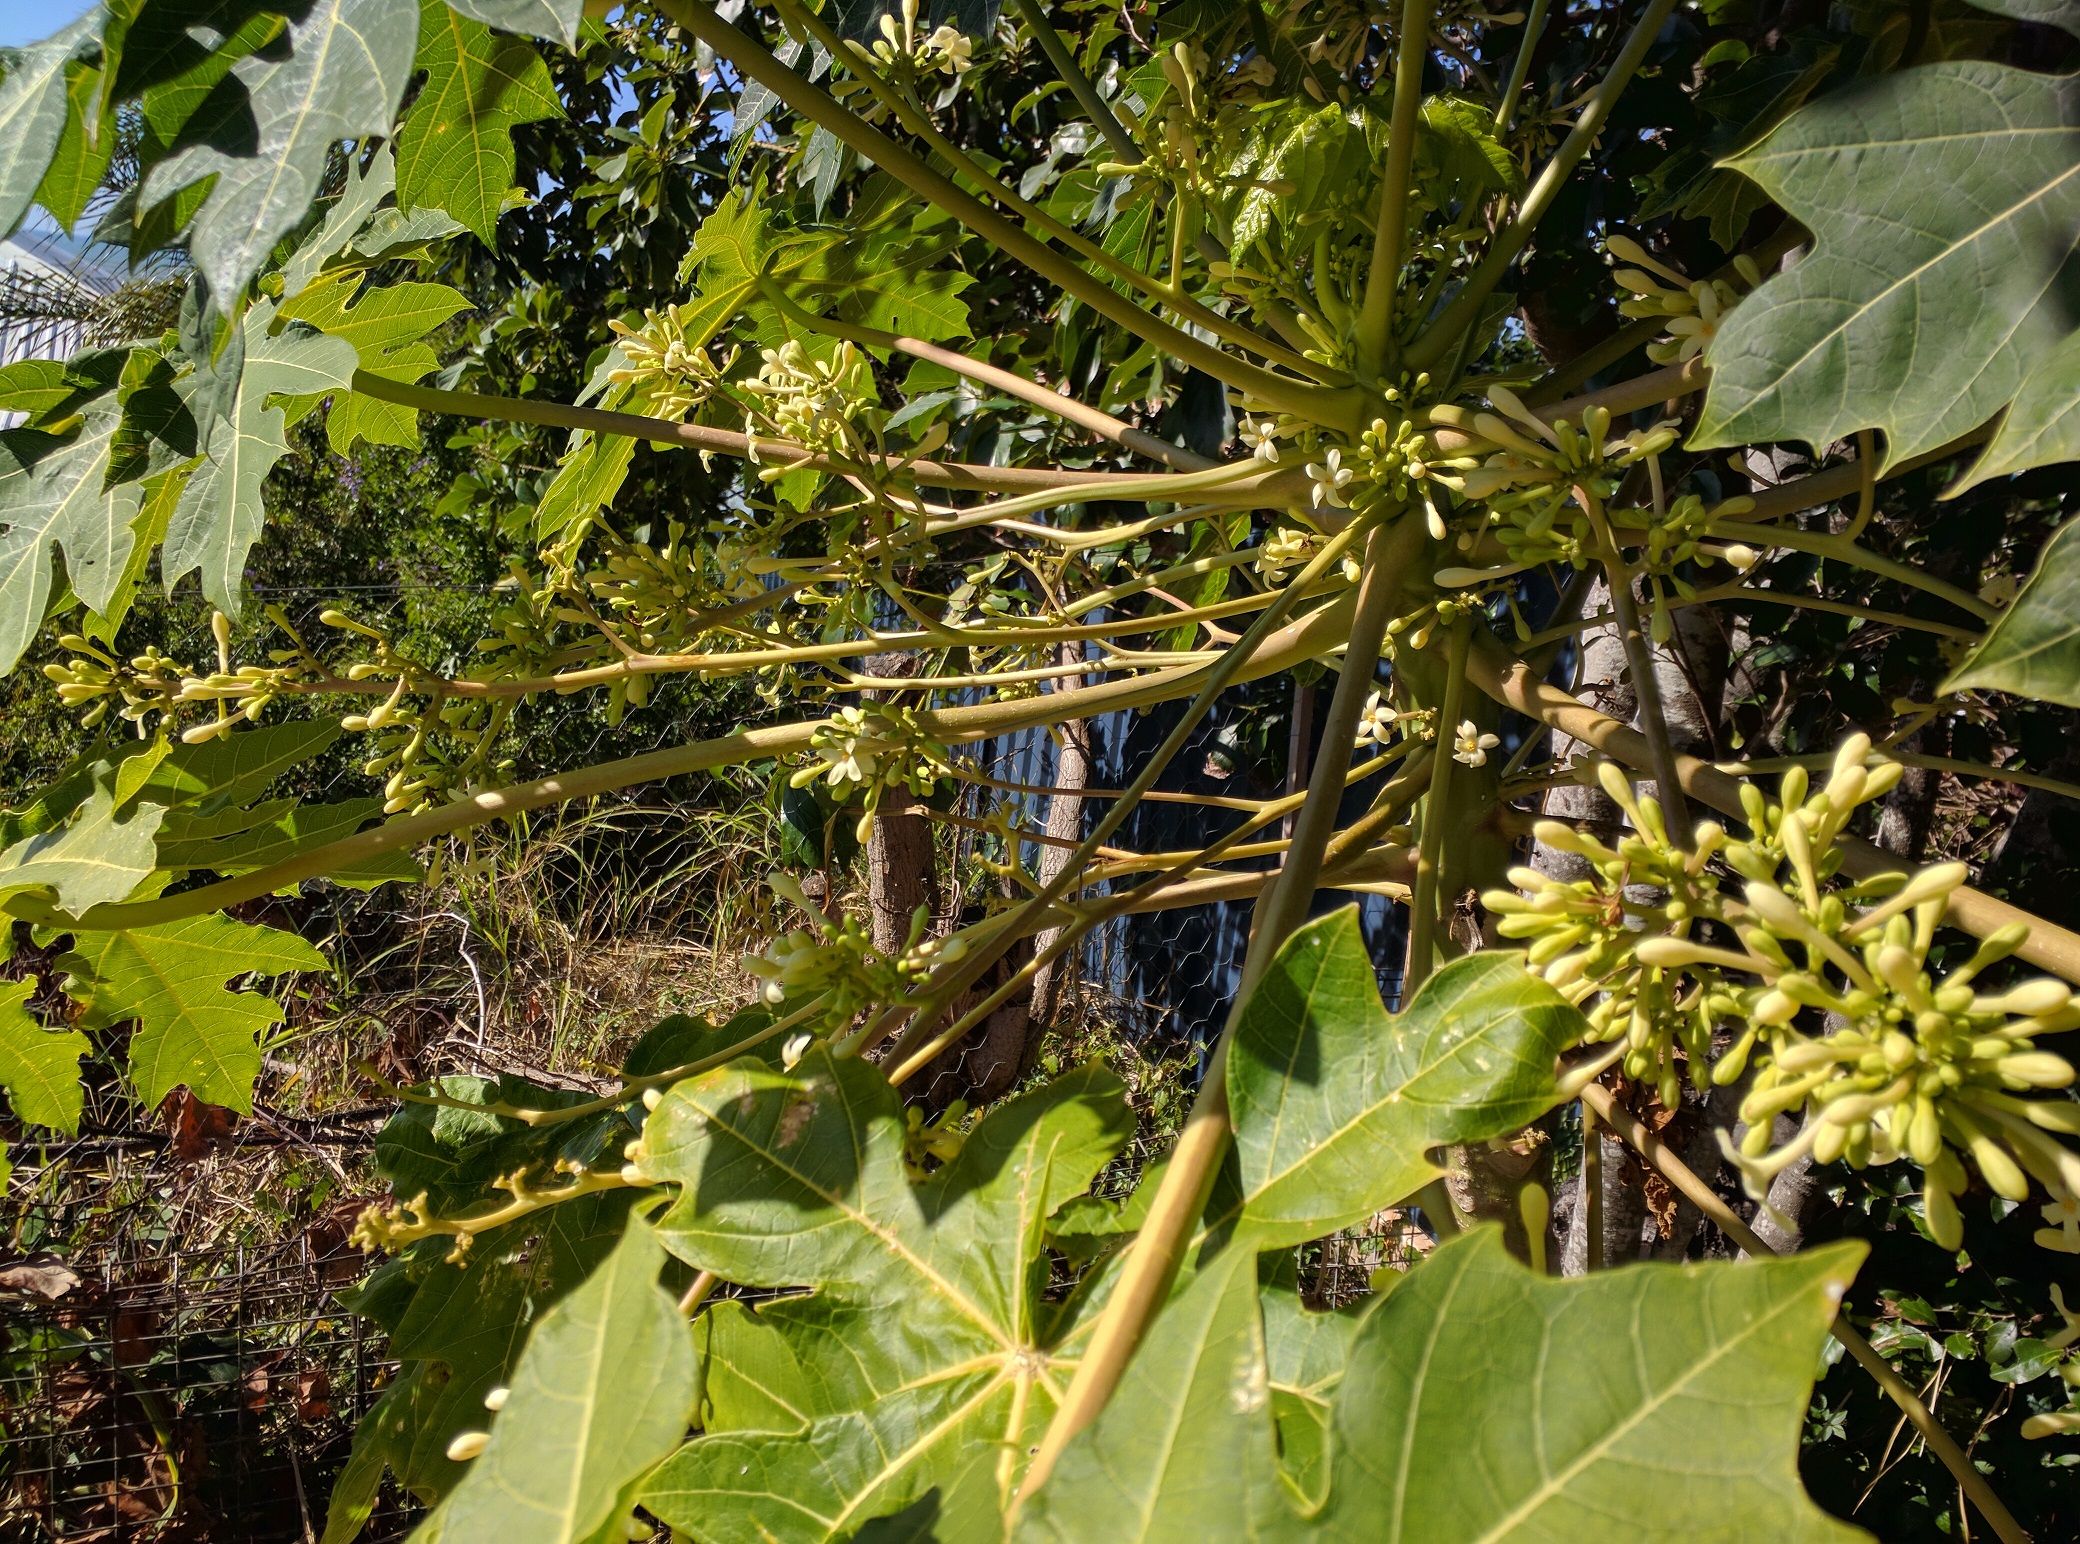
(154,1389)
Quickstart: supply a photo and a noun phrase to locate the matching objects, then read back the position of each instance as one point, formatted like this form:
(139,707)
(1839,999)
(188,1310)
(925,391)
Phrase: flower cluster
(1537,477)
(823,403)
(834,962)
(1693,308)
(870,750)
(673,369)
(1831,993)
(944,50)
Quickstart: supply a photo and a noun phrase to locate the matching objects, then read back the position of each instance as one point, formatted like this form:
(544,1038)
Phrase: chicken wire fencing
(174,1360)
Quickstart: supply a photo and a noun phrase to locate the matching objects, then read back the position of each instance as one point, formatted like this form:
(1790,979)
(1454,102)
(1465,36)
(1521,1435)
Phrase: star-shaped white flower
(1470,747)
(1261,436)
(1376,723)
(1330,476)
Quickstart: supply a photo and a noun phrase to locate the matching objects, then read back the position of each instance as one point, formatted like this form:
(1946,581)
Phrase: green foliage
(601,1393)
(190,1029)
(1449,1421)
(39,1068)
(265,153)
(1931,299)
(1337,1105)
(799,1178)
(455,147)
(1271,372)
(2034,649)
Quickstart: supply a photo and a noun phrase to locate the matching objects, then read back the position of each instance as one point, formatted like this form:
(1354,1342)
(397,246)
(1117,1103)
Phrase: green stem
(1646,683)
(1375,335)
(971,967)
(1305,399)
(1506,112)
(1012,384)
(1465,308)
(920,125)
(1152,1261)
(1842,550)
(1422,907)
(1079,84)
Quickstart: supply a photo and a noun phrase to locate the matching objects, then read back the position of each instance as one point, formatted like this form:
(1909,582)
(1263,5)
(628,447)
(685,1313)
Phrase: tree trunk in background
(902,867)
(1072,774)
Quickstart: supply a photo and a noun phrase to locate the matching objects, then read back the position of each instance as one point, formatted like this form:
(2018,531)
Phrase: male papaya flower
(1470,747)
(1329,477)
(872,749)
(1693,308)
(673,369)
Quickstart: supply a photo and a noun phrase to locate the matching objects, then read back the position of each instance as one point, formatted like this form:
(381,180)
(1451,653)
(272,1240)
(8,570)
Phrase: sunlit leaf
(1942,203)
(602,1391)
(192,1030)
(39,1068)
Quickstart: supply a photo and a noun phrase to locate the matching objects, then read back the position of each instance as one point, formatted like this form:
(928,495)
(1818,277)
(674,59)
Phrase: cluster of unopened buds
(1828,990)
(652,593)
(673,369)
(1693,308)
(1540,473)
(823,404)
(869,750)
(98,681)
(1285,549)
(834,960)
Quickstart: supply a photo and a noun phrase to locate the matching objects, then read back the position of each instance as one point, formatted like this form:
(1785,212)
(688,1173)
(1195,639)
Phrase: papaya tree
(1630,444)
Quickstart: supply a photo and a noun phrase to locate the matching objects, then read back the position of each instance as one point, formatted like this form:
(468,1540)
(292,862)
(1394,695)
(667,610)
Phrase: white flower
(953,50)
(1471,747)
(1329,476)
(1376,723)
(1261,436)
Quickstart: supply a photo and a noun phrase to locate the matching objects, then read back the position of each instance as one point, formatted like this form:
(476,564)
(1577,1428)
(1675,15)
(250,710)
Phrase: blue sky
(31,21)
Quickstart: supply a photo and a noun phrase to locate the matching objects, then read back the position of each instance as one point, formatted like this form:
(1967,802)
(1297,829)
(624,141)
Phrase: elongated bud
(2028,999)
(467,1445)
(1740,555)
(652,1098)
(495,1401)
(1776,909)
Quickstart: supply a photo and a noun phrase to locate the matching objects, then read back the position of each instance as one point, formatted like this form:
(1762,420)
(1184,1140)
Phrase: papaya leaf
(455,148)
(1199,1385)
(2033,648)
(33,110)
(458,1327)
(220,516)
(1699,1377)
(2041,426)
(556,19)
(1462,1413)
(337,74)
(52,496)
(237,768)
(388,325)
(797,1179)
(1942,202)
(2064,14)
(1337,1104)
(191,1028)
(39,1068)
(602,1392)
(99,854)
